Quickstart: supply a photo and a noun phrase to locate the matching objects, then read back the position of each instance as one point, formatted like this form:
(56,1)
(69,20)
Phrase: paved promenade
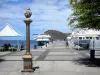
(55,59)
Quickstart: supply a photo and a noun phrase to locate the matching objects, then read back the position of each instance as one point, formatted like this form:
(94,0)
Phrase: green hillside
(57,35)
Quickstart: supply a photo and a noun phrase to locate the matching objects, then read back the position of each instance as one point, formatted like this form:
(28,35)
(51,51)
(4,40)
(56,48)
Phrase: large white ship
(43,39)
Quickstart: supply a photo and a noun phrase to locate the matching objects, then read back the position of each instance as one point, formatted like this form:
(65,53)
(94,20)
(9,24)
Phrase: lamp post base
(27,63)
(27,70)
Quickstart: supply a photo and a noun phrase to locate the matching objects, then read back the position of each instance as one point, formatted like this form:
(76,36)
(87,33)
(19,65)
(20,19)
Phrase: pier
(55,59)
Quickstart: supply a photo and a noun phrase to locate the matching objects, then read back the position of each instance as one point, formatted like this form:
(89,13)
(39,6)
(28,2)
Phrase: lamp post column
(28,56)
(27,36)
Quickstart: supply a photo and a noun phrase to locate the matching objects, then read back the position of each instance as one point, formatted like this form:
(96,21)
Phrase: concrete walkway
(55,59)
(5,53)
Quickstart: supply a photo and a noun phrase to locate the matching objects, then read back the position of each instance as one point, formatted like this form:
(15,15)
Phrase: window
(87,37)
(80,37)
(83,38)
(97,38)
(90,37)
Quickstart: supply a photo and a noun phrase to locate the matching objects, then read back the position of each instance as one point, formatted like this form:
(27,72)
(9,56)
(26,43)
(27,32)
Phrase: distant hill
(57,35)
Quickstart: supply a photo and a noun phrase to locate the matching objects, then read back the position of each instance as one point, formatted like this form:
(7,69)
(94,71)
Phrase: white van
(94,44)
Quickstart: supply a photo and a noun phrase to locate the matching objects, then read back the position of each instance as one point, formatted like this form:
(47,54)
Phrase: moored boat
(43,39)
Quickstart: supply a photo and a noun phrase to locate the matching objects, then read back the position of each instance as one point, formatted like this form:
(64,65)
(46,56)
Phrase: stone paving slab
(61,50)
(33,50)
(64,66)
(63,53)
(17,58)
(42,73)
(63,58)
(59,73)
(11,66)
(43,55)
(50,73)
(48,68)
(4,53)
(58,48)
(34,53)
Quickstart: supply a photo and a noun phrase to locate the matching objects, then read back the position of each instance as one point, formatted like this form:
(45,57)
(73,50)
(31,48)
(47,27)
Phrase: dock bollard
(92,54)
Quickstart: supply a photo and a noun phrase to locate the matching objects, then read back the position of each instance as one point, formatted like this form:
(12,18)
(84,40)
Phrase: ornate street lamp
(28,56)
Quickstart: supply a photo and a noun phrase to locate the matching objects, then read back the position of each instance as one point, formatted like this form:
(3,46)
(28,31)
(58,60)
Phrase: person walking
(67,45)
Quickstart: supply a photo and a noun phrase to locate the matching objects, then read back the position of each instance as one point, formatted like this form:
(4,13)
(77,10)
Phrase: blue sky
(46,15)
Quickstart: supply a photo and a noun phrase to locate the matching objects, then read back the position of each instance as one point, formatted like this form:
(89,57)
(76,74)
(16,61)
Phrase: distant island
(57,35)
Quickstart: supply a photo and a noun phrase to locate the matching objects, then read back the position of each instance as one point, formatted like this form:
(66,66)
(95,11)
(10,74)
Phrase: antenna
(43,30)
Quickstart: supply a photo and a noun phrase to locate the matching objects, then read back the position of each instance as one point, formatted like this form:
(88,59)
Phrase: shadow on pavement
(34,68)
(1,60)
(88,62)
